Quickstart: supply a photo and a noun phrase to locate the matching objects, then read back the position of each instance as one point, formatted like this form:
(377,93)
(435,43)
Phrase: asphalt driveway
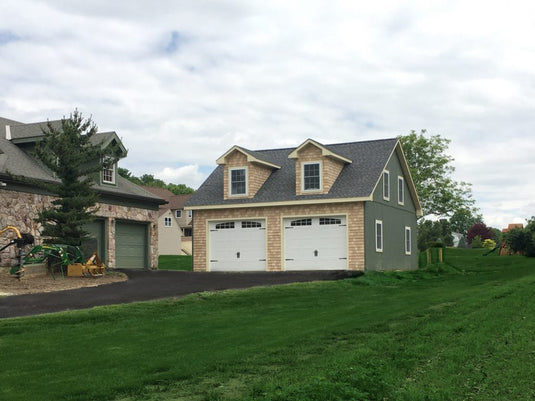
(149,285)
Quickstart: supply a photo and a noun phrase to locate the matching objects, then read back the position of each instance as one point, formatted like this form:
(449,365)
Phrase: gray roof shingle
(356,180)
(15,162)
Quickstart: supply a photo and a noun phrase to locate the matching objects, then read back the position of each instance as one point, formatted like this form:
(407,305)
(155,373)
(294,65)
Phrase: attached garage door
(131,245)
(96,240)
(315,243)
(237,245)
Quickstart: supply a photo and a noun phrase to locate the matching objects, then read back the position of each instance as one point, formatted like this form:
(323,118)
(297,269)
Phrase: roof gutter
(281,203)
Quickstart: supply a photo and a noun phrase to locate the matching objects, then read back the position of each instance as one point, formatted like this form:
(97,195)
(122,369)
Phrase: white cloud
(271,74)
(188,175)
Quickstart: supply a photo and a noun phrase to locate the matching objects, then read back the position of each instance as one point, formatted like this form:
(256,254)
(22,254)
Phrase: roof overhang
(250,158)
(324,151)
(281,203)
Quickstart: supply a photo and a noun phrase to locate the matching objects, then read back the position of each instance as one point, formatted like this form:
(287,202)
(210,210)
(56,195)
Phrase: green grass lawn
(175,262)
(462,330)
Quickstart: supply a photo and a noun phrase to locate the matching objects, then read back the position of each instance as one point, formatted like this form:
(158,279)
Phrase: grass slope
(460,330)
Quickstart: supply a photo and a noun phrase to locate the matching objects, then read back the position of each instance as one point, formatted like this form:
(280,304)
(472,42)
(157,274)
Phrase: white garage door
(237,245)
(315,243)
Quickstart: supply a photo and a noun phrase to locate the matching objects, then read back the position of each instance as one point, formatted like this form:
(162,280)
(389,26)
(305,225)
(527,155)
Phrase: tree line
(150,181)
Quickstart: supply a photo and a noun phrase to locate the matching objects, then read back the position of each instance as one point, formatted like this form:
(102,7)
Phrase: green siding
(131,245)
(395,218)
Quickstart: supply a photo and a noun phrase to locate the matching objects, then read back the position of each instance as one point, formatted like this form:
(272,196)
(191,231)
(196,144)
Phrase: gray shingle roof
(15,162)
(356,180)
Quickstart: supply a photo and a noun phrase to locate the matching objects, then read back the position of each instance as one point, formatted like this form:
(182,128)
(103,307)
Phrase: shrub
(488,243)
(480,230)
(476,242)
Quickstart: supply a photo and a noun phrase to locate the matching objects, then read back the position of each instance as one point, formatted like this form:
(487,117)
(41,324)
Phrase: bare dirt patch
(37,283)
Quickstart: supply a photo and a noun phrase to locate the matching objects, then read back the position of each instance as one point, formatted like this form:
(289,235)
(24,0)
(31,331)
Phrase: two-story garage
(350,206)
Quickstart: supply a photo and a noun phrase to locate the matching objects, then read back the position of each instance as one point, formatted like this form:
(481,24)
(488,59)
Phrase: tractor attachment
(66,258)
(20,241)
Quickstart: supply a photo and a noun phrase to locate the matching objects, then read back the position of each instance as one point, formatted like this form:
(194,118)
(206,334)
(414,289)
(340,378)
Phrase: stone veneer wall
(274,217)
(19,209)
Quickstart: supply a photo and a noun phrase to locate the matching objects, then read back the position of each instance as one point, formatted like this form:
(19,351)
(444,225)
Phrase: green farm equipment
(58,257)
(21,240)
(66,259)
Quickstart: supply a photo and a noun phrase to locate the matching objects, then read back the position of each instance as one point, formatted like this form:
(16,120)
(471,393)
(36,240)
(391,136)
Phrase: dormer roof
(325,151)
(252,157)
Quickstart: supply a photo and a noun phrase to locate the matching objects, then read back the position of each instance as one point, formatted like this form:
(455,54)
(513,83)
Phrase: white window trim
(303,176)
(409,237)
(379,249)
(113,172)
(167,219)
(401,201)
(386,174)
(230,170)
(190,212)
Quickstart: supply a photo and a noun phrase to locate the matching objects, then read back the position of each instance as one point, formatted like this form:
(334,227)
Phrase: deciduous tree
(431,168)
(479,230)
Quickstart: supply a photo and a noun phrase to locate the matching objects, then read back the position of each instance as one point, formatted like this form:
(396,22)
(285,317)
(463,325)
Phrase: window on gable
(311,176)
(108,174)
(167,222)
(178,213)
(401,190)
(386,185)
(327,220)
(378,236)
(408,241)
(301,222)
(225,226)
(238,181)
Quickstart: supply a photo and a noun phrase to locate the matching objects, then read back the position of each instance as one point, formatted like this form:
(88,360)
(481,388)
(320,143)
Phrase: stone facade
(20,209)
(274,229)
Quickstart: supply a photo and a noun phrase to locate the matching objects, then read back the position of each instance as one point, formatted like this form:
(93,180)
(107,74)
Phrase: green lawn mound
(462,329)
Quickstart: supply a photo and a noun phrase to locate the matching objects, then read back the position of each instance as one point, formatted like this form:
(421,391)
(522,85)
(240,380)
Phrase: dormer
(115,149)
(244,173)
(316,168)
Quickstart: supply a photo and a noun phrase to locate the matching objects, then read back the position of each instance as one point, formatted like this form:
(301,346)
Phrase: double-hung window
(108,174)
(167,222)
(378,235)
(238,181)
(408,241)
(311,176)
(401,190)
(386,185)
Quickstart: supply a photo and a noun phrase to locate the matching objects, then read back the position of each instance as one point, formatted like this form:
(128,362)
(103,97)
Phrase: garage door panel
(238,245)
(318,243)
(131,245)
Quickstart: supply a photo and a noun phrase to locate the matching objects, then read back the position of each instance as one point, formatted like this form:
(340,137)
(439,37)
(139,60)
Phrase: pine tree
(75,162)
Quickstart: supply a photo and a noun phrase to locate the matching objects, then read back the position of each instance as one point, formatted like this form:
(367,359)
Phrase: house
(174,223)
(125,231)
(350,206)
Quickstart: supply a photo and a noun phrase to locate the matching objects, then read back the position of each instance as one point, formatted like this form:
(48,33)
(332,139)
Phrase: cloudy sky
(183,81)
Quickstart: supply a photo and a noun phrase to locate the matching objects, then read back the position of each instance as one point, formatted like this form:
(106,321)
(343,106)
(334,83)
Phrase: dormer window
(108,174)
(238,181)
(311,176)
